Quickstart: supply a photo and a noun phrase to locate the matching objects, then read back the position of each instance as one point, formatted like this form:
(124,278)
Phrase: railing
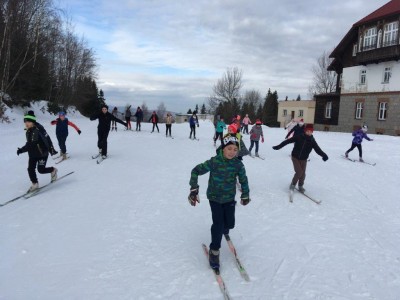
(369,47)
(395,41)
(379,54)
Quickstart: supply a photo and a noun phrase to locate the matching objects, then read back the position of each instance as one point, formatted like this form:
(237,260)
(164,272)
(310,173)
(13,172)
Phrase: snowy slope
(124,229)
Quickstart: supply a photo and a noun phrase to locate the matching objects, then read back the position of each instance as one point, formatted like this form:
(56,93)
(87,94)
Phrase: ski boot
(104,156)
(34,187)
(361,160)
(214,259)
(301,189)
(257,154)
(54,175)
(291,187)
(346,154)
(64,156)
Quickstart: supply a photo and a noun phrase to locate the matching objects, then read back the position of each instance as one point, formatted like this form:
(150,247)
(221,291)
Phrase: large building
(288,110)
(368,67)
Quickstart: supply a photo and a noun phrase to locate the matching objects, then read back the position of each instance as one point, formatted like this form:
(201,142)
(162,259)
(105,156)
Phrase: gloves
(194,196)
(19,151)
(79,132)
(52,151)
(244,200)
(275,148)
(262,140)
(325,158)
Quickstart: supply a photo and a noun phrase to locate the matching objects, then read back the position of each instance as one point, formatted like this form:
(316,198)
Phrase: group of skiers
(128,115)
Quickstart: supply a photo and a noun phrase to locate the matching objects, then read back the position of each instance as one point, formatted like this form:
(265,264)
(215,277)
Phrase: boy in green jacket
(224,168)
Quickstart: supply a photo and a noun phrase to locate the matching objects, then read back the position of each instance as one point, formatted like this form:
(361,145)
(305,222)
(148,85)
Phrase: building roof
(389,9)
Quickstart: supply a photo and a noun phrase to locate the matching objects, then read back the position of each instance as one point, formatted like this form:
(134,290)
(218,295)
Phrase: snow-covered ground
(125,230)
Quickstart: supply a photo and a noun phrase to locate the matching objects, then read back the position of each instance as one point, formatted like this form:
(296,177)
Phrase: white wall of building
(374,78)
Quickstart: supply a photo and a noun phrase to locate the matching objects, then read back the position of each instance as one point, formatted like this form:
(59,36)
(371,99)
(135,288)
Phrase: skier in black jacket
(303,145)
(103,129)
(44,133)
(37,148)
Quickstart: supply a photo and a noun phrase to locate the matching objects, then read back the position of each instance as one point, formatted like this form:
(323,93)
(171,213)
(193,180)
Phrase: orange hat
(233,128)
(258,122)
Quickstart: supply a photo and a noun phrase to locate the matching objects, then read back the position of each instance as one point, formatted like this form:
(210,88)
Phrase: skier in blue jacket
(359,135)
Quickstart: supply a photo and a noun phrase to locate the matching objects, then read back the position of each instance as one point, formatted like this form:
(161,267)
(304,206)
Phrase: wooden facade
(321,101)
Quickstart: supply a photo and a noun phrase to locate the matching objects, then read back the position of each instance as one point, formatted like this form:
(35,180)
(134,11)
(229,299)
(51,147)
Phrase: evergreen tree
(298,98)
(203,109)
(259,113)
(189,112)
(196,110)
(270,109)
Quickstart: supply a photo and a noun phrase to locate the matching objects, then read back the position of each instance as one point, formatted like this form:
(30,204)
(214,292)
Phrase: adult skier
(43,131)
(303,145)
(193,121)
(298,129)
(103,129)
(154,119)
(219,130)
(255,134)
(224,169)
(168,124)
(128,115)
(37,148)
(62,124)
(359,135)
(139,118)
(114,123)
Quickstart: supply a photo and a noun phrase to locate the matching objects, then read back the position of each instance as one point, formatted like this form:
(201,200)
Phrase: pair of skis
(218,277)
(28,195)
(291,192)
(254,156)
(354,160)
(99,158)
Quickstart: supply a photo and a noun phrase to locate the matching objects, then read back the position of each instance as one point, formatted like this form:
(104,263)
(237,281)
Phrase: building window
(328,109)
(391,34)
(387,74)
(363,76)
(301,113)
(370,39)
(359,109)
(284,112)
(355,50)
(382,113)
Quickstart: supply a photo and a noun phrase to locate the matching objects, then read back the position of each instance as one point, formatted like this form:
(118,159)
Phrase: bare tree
(161,110)
(252,97)
(324,81)
(227,88)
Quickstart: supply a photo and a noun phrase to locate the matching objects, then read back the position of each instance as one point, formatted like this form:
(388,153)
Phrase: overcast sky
(174,51)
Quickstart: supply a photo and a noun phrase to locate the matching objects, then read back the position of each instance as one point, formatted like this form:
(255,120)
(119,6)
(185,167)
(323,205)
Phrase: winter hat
(30,117)
(301,120)
(61,113)
(104,106)
(309,127)
(232,128)
(258,122)
(229,139)
(364,128)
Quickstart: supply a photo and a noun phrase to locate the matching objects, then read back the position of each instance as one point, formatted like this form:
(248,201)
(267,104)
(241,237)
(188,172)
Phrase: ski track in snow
(124,229)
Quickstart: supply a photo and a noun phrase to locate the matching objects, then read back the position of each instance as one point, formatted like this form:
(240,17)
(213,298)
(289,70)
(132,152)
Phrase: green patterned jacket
(222,182)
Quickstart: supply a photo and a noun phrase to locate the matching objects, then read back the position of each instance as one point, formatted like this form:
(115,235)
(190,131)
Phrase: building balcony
(375,55)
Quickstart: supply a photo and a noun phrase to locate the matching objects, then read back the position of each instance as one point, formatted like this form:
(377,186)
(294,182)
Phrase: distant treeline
(41,58)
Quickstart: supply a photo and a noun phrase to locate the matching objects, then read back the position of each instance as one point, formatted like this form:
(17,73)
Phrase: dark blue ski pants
(223,217)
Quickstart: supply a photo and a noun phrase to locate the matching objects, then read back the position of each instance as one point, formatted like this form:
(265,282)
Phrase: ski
(242,270)
(353,160)
(291,196)
(367,163)
(312,199)
(260,157)
(61,160)
(100,160)
(96,155)
(28,195)
(218,277)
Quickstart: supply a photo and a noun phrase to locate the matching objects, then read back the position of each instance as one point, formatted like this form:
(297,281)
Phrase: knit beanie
(30,117)
(309,127)
(230,139)
(233,128)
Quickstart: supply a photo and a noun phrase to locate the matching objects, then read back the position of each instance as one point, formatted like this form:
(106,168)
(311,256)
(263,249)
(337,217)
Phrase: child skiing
(37,148)
(255,133)
(103,129)
(359,135)
(62,124)
(193,121)
(246,122)
(296,130)
(224,168)
(43,131)
(154,119)
(303,145)
(114,123)
(128,115)
(233,129)
(168,124)
(219,130)
(139,118)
